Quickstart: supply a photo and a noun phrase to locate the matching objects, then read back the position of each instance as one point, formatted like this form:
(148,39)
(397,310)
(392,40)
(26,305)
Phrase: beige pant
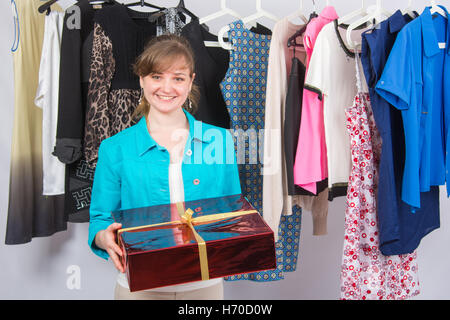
(214,292)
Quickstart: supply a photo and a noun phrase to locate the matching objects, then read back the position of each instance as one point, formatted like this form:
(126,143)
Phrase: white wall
(38,270)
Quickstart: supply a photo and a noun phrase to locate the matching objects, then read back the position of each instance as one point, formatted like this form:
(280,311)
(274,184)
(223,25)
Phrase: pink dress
(310,164)
(366,273)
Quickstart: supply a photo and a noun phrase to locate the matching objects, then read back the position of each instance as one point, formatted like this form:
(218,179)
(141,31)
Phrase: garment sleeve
(398,85)
(97,126)
(317,79)
(44,65)
(105,197)
(273,166)
(70,124)
(396,82)
(319,213)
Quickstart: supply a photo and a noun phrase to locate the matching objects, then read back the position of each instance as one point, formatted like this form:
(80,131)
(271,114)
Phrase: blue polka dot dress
(243,89)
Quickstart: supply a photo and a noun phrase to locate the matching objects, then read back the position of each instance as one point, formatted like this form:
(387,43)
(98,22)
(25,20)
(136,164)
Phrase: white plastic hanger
(436,9)
(298,14)
(374,17)
(354,14)
(224,10)
(409,10)
(260,13)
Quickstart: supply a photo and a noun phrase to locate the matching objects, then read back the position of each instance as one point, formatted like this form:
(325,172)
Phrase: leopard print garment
(109,110)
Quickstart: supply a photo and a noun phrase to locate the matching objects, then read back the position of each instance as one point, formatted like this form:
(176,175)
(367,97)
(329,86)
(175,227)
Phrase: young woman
(167,157)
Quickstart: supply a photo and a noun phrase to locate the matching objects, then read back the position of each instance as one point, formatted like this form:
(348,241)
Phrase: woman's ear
(141,82)
(192,81)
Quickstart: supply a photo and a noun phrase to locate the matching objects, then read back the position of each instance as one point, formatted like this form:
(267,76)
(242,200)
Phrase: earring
(141,96)
(188,105)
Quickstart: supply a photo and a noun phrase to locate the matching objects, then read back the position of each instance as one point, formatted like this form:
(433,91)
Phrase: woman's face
(167,91)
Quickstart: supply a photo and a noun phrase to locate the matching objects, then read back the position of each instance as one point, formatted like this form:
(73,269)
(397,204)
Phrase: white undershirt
(176,187)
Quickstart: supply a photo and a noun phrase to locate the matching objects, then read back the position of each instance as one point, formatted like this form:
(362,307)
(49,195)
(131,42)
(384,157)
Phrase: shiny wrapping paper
(163,255)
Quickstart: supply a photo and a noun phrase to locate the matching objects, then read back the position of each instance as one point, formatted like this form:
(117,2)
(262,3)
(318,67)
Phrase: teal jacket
(133,171)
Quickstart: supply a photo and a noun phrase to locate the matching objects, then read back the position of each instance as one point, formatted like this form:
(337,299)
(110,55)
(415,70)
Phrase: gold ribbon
(187,219)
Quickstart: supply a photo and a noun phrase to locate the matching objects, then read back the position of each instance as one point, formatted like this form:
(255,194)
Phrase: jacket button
(196,181)
(189,152)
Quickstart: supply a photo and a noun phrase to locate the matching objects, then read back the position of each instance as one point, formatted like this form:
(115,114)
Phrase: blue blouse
(401,227)
(413,81)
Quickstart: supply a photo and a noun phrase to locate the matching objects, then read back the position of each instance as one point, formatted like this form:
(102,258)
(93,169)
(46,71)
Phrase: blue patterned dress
(244,89)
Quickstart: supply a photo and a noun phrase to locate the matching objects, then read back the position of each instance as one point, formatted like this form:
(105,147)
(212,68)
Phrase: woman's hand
(106,240)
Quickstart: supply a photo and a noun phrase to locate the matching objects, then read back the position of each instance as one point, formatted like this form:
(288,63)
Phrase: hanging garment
(211,64)
(366,274)
(282,106)
(400,230)
(114,89)
(244,89)
(76,47)
(318,205)
(310,164)
(415,80)
(331,75)
(47,99)
(30,214)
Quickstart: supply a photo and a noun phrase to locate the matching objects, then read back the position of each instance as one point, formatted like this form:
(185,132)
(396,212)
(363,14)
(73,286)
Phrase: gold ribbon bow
(187,219)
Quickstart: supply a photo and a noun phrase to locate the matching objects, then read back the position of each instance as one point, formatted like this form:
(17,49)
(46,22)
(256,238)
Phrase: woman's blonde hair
(159,54)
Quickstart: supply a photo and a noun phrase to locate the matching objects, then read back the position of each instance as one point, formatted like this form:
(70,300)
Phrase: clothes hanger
(224,10)
(409,10)
(260,13)
(437,9)
(379,14)
(143,3)
(298,14)
(352,15)
(182,8)
(292,40)
(46,7)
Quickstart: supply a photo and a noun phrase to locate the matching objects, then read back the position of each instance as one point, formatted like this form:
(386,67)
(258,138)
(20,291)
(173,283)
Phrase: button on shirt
(400,231)
(413,81)
(133,171)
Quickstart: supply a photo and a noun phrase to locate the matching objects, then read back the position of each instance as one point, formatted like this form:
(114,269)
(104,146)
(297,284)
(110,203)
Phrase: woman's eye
(179,79)
(156,77)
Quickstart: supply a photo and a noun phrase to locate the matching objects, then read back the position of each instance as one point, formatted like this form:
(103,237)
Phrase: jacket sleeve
(70,127)
(105,197)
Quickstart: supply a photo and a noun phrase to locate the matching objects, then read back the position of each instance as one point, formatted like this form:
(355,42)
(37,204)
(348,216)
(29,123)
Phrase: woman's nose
(166,85)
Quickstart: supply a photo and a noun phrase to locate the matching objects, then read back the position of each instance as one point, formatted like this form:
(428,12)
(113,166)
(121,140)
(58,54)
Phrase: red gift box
(161,248)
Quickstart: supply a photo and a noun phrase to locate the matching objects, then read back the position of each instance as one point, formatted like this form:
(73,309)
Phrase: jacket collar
(430,41)
(145,141)
(396,22)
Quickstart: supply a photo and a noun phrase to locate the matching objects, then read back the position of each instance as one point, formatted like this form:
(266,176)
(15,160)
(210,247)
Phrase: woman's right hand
(106,240)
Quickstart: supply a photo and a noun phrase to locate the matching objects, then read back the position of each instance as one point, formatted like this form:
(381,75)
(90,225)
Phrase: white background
(38,270)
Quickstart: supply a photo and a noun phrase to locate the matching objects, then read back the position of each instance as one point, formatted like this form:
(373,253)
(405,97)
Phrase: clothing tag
(159,30)
(97,6)
(442,45)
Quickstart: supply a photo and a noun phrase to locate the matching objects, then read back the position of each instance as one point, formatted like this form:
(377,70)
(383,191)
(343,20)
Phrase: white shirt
(176,195)
(47,99)
(332,72)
